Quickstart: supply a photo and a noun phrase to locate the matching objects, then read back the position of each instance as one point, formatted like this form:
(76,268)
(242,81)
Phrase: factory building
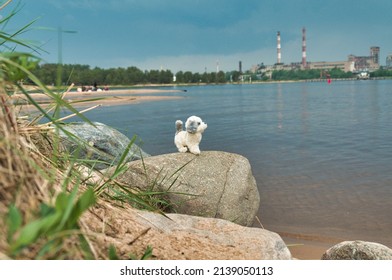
(366,63)
(346,66)
(353,63)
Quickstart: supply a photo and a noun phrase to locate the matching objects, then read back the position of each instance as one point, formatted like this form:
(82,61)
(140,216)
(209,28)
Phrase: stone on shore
(182,237)
(358,250)
(102,145)
(207,234)
(213,184)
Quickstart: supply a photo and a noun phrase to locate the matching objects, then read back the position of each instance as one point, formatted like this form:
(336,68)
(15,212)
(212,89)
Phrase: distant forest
(80,75)
(84,75)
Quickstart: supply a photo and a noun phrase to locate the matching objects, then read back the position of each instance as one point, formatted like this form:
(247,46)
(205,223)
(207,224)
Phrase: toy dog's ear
(191,126)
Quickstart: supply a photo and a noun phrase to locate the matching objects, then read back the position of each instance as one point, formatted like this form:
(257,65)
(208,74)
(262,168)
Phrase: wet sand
(304,247)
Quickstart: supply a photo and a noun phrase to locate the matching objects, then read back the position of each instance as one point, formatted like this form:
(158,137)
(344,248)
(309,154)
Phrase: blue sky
(194,34)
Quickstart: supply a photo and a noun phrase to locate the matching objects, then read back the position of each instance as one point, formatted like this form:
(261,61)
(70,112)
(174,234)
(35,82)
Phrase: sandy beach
(102,98)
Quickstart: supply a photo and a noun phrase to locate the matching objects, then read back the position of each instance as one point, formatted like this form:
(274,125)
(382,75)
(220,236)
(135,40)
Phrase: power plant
(353,63)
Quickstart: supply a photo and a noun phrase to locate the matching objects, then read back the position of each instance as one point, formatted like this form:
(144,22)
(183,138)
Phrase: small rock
(358,250)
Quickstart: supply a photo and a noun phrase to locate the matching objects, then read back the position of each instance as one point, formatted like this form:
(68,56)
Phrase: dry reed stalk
(5,4)
(67,117)
(67,91)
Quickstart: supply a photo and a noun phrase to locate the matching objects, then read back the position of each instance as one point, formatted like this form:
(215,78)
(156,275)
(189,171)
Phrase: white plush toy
(191,137)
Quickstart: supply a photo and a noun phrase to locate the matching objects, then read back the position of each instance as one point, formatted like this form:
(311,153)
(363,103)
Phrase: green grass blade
(14,221)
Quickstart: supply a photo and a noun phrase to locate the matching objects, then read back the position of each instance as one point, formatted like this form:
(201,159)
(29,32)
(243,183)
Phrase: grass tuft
(50,200)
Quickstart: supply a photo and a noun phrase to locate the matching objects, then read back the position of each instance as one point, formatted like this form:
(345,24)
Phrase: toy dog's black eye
(198,123)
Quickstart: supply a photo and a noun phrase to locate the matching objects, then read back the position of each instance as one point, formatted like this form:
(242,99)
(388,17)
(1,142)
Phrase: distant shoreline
(153,88)
(104,98)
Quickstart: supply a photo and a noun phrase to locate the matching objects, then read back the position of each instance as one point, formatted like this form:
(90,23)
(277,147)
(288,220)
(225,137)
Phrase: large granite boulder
(102,145)
(180,237)
(358,250)
(207,234)
(213,184)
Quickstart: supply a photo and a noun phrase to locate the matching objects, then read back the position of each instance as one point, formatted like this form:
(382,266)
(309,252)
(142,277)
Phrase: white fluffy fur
(189,139)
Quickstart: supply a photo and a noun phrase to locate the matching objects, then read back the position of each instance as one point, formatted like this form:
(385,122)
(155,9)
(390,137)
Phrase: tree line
(84,75)
(310,74)
(66,74)
(382,72)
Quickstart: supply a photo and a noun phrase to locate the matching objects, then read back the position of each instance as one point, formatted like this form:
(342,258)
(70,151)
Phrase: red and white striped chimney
(278,49)
(304,47)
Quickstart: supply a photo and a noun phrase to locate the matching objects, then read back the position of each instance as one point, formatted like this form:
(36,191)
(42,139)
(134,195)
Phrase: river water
(321,153)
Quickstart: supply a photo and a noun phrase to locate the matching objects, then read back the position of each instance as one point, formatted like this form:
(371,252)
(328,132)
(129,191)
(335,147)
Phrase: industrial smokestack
(304,47)
(279,60)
